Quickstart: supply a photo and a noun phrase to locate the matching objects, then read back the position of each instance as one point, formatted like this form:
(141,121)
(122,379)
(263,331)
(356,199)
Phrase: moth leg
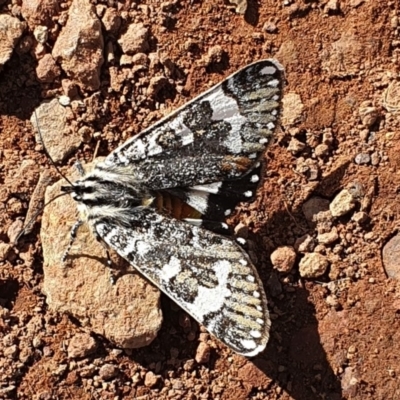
(104,245)
(79,168)
(72,234)
(113,274)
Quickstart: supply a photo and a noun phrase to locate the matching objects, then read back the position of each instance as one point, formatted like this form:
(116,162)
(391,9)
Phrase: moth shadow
(17,98)
(118,267)
(252,14)
(295,357)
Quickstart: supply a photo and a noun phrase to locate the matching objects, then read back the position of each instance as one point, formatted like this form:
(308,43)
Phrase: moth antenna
(47,153)
(73,233)
(27,225)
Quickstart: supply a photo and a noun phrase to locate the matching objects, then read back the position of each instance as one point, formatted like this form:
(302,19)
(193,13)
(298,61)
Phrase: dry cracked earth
(323,230)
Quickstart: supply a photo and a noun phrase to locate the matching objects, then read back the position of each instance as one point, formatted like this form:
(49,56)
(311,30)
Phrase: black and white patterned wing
(216,201)
(218,136)
(208,275)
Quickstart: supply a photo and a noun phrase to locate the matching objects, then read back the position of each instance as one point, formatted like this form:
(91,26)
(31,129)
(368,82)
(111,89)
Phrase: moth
(160,200)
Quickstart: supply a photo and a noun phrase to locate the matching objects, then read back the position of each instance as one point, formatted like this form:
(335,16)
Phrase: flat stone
(391,256)
(11,29)
(135,39)
(57,136)
(79,46)
(292,109)
(126,312)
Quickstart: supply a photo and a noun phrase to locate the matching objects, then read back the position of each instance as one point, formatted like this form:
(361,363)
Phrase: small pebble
(360,217)
(270,27)
(362,158)
(108,371)
(81,345)
(313,265)
(41,34)
(332,301)
(314,206)
(321,150)
(283,258)
(295,146)
(342,203)
(151,379)
(64,100)
(375,159)
(203,353)
(305,244)
(391,256)
(328,237)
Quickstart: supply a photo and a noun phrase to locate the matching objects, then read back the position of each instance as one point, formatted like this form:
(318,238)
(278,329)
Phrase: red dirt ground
(327,342)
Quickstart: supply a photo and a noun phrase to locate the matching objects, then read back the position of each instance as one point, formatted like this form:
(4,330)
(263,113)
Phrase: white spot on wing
(153,148)
(248,193)
(270,126)
(198,200)
(255,334)
(250,278)
(193,221)
(210,188)
(254,352)
(171,269)
(268,70)
(202,305)
(254,178)
(223,106)
(182,130)
(256,294)
(226,108)
(122,159)
(142,248)
(273,83)
(227,212)
(241,240)
(248,344)
(188,138)
(137,150)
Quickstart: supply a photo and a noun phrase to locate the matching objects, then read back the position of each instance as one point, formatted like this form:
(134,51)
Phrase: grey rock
(126,312)
(57,137)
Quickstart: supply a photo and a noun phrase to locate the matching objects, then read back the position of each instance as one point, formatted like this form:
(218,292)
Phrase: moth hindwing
(152,199)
